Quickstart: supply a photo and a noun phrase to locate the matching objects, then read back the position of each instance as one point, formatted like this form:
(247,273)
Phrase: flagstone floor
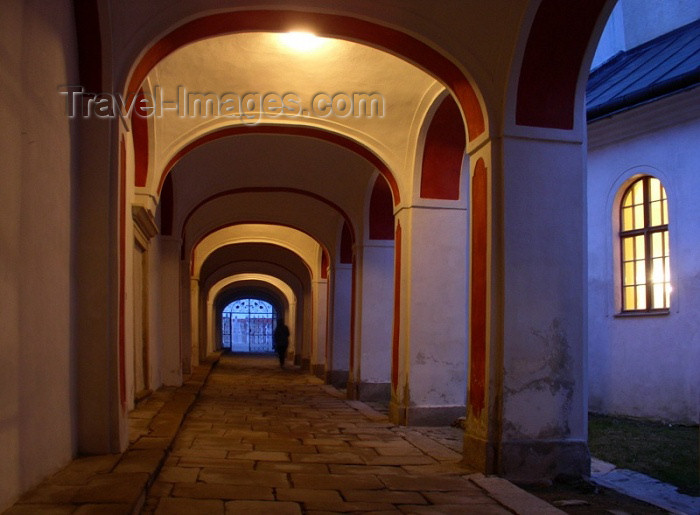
(264,440)
(244,436)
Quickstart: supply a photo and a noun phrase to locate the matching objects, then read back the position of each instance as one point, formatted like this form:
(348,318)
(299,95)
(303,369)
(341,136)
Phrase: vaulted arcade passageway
(403,188)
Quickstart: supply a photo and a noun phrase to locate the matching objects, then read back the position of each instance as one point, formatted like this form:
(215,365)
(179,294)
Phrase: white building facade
(644,350)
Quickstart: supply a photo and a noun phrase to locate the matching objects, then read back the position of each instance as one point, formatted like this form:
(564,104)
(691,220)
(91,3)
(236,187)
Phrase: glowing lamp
(301,41)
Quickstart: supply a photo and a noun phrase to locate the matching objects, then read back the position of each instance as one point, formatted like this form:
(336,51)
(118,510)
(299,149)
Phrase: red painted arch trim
(381,212)
(443,153)
(294,130)
(261,189)
(556,45)
(225,226)
(328,25)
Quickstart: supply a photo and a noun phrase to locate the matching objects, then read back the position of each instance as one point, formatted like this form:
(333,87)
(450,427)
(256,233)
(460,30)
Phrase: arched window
(644,244)
(247,326)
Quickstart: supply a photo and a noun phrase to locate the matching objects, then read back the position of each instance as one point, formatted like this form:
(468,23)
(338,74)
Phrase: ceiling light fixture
(301,41)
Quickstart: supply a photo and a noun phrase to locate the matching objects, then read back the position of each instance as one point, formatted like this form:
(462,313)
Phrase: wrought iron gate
(247,326)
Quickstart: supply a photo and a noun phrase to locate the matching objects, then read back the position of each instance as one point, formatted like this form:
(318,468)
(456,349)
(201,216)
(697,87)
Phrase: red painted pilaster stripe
(559,37)
(329,351)
(397,309)
(477,323)
(325,261)
(139,127)
(352,319)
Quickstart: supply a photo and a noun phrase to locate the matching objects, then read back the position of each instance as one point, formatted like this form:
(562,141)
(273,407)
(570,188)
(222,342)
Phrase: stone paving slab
(311,451)
(262,508)
(510,496)
(222,491)
(247,437)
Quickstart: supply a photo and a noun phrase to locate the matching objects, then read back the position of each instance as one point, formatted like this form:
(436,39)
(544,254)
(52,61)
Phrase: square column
(339,358)
(302,356)
(185,318)
(194,324)
(375,315)
(527,406)
(101,418)
(319,291)
(429,355)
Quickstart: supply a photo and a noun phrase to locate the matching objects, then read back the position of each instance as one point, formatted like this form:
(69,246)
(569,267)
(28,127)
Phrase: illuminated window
(644,243)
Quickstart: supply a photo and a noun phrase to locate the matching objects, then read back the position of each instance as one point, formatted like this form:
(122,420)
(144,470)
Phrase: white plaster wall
(37,51)
(646,366)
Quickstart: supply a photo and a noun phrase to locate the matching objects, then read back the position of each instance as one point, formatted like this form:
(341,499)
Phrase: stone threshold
(118,483)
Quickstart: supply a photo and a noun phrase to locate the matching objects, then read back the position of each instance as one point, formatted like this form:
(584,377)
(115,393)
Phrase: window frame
(647,231)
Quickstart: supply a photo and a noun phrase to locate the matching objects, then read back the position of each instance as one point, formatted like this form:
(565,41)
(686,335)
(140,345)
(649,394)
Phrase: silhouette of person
(281,339)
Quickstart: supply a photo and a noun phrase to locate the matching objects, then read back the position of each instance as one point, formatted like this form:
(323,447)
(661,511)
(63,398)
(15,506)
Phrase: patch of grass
(665,452)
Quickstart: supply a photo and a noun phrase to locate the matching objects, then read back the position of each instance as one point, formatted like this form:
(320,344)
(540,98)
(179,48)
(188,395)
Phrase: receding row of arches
(379,236)
(406,252)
